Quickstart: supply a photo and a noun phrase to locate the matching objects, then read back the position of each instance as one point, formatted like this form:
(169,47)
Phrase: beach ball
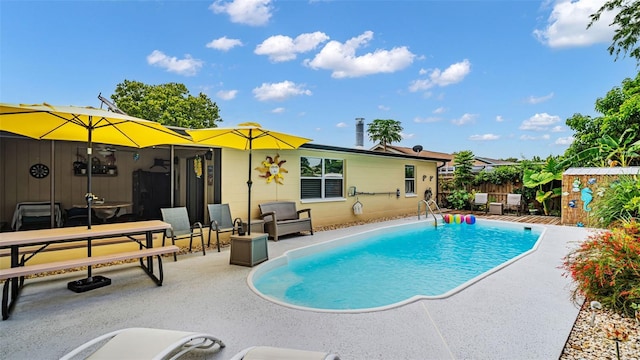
(457,218)
(470,219)
(446,218)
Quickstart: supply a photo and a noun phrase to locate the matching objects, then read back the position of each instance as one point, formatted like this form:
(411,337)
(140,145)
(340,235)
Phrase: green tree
(169,104)
(545,180)
(620,122)
(627,31)
(463,163)
(385,131)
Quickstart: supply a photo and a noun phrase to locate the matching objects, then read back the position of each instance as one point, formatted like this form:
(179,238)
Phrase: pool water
(393,265)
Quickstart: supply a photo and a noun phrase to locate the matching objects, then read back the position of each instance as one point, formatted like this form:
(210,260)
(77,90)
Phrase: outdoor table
(108,209)
(46,237)
(249,250)
(495,208)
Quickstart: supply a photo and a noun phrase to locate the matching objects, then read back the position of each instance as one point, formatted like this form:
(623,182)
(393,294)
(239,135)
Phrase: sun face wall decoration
(271,169)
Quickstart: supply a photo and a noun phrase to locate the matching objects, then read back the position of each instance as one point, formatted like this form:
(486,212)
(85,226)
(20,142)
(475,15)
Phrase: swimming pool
(392,266)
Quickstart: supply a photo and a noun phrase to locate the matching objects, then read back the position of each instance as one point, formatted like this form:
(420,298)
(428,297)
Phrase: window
(321,178)
(409,179)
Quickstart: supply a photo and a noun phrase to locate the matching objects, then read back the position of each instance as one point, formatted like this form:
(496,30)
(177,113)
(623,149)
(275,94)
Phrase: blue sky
(498,78)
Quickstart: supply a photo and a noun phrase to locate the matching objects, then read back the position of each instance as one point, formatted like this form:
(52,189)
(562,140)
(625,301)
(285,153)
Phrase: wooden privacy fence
(496,192)
(581,188)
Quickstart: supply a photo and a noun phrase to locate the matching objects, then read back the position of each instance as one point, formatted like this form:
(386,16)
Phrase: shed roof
(631,170)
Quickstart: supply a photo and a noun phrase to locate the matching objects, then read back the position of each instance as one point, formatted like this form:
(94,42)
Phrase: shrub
(459,199)
(618,200)
(606,268)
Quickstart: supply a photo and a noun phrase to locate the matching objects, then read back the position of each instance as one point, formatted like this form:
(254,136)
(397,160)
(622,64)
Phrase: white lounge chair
(514,202)
(144,343)
(275,353)
(481,201)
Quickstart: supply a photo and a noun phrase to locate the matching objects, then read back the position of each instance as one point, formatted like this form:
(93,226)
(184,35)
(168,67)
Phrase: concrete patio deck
(520,312)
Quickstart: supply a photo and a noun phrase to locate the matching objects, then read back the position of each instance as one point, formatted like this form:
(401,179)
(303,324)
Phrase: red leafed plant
(606,268)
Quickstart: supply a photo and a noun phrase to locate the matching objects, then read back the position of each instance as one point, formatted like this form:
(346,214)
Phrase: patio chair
(514,202)
(220,221)
(274,353)
(481,201)
(181,227)
(144,343)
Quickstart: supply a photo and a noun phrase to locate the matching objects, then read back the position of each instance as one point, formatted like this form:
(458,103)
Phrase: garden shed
(581,187)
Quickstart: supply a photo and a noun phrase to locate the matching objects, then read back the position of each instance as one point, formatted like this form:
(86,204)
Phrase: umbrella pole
(89,195)
(90,282)
(249,183)
(52,190)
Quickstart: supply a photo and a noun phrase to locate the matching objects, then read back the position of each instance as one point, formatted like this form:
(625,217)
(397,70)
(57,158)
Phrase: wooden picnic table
(43,238)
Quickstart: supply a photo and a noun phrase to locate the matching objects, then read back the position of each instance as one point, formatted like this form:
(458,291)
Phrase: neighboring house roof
(433,156)
(479,164)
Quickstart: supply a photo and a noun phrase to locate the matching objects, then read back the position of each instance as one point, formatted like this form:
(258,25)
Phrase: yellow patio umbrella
(75,123)
(246,136)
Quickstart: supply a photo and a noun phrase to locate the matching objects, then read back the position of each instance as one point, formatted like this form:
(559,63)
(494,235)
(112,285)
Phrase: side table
(257,225)
(495,208)
(249,250)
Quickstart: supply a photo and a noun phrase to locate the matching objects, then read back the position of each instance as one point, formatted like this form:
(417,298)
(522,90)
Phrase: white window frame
(412,180)
(323,177)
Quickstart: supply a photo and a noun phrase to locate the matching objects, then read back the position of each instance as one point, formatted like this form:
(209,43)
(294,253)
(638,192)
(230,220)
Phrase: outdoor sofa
(282,218)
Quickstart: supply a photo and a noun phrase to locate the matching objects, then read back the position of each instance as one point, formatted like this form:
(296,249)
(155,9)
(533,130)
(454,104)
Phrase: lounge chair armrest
(308,211)
(197,225)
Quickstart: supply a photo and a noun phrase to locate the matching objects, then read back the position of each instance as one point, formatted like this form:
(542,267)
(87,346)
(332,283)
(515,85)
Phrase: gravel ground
(589,341)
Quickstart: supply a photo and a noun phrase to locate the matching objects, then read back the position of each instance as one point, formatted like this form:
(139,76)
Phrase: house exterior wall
(368,173)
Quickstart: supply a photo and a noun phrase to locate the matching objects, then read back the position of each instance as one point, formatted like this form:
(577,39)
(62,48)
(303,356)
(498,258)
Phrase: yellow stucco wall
(368,173)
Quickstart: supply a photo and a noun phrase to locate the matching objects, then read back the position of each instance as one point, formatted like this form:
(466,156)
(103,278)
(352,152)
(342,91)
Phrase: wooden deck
(533,219)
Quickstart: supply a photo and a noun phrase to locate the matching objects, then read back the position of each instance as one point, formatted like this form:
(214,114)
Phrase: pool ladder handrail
(429,210)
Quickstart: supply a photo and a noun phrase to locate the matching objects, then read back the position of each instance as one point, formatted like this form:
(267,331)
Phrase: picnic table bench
(13,277)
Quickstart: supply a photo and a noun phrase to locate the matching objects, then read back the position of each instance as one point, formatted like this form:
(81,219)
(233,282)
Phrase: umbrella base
(87,284)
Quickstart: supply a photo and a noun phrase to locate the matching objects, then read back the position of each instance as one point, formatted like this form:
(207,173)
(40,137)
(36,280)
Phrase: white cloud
(278,110)
(451,75)
(536,100)
(383,108)
(407,136)
(227,94)
(564,140)
(567,25)
(342,60)
(421,120)
(484,137)
(540,122)
(187,66)
(249,12)
(557,129)
(224,44)
(499,118)
(465,119)
(279,91)
(440,110)
(342,125)
(534,138)
(283,48)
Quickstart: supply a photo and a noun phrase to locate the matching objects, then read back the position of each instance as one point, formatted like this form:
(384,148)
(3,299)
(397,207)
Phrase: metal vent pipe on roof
(360,132)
